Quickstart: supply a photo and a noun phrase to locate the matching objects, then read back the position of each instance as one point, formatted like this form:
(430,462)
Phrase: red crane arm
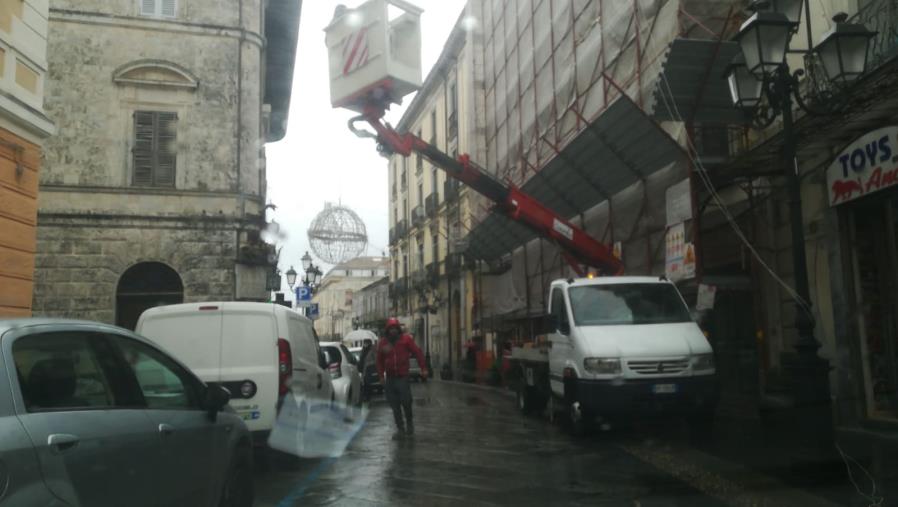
(579,248)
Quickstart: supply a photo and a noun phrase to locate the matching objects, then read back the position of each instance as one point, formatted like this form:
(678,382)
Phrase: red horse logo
(844,189)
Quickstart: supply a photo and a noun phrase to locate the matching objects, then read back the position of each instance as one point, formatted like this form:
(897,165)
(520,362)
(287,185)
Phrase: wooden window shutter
(168,8)
(148,7)
(155,148)
(166,149)
(144,123)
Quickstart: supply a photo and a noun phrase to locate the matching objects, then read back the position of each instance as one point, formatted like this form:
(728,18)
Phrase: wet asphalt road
(473,448)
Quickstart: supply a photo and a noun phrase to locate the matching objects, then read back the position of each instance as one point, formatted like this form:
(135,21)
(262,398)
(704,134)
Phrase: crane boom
(579,248)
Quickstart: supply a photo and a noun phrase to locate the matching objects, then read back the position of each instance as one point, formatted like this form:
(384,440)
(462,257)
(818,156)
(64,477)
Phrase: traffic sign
(313,311)
(303,296)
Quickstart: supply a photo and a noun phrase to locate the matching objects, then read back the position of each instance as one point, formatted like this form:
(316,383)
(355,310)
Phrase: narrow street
(473,448)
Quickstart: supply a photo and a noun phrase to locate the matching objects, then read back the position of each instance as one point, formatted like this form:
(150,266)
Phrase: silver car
(94,415)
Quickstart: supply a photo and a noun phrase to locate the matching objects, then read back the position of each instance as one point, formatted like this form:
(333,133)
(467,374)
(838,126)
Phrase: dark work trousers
(399,395)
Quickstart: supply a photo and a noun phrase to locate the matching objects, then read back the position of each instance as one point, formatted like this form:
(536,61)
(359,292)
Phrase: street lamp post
(311,278)
(759,72)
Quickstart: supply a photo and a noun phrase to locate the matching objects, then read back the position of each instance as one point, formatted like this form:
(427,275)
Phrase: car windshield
(627,304)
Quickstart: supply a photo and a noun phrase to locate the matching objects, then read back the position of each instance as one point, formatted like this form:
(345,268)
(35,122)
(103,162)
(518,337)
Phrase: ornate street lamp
(745,87)
(843,50)
(291,277)
(764,40)
(789,8)
(306,261)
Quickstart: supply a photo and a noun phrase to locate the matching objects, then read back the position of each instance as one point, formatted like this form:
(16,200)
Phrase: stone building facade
(336,294)
(154,186)
(23,128)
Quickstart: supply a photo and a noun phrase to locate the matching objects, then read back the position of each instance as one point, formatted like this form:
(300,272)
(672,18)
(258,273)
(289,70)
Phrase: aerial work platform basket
(374,53)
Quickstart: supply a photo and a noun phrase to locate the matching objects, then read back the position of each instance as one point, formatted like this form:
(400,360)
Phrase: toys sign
(868,164)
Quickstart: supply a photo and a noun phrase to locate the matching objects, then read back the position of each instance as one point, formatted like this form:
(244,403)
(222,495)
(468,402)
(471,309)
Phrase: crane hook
(360,132)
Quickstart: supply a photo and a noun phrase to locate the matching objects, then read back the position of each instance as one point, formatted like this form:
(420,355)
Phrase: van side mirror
(564,327)
(217,397)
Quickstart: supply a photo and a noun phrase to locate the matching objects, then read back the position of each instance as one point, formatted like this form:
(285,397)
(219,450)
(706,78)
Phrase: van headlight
(701,362)
(602,365)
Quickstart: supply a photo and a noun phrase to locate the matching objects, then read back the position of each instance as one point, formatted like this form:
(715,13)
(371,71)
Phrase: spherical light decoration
(337,234)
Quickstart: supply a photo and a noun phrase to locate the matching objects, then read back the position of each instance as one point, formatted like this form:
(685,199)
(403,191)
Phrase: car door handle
(166,429)
(61,442)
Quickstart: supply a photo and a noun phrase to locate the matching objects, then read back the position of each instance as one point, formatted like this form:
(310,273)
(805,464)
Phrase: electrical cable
(673,110)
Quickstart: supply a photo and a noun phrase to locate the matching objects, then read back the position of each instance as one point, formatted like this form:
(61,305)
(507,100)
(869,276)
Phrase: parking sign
(313,311)
(303,296)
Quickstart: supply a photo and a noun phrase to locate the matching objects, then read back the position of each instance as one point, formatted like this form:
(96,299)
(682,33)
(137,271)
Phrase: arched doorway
(142,286)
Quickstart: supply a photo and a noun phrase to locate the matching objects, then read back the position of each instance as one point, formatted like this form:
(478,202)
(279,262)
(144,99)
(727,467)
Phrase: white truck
(618,348)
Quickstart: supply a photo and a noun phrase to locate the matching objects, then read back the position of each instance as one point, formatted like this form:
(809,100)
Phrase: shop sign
(679,255)
(679,202)
(868,164)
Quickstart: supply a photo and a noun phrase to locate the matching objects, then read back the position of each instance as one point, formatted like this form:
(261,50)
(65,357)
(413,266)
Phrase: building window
(436,248)
(433,127)
(158,8)
(433,181)
(155,148)
(419,160)
(420,194)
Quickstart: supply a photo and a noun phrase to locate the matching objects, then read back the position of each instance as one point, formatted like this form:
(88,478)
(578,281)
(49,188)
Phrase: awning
(691,85)
(622,146)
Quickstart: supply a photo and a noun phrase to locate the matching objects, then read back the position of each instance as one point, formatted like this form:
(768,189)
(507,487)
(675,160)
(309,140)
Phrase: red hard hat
(392,322)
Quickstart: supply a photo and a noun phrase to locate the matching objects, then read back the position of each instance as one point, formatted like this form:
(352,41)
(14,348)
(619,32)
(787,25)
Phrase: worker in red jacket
(393,352)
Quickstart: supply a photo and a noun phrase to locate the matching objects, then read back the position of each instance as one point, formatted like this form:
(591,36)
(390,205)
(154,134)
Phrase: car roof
(24,323)
(611,280)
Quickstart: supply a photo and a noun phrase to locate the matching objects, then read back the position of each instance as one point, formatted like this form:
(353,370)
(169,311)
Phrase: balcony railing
(401,230)
(433,272)
(418,216)
(431,203)
(880,16)
(453,125)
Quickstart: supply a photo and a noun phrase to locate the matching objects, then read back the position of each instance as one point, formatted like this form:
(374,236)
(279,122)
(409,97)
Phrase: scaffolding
(572,115)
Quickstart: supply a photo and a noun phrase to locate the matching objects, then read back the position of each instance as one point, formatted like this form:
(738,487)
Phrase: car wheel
(238,488)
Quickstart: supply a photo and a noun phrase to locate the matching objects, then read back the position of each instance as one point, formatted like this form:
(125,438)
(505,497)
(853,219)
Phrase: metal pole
(810,381)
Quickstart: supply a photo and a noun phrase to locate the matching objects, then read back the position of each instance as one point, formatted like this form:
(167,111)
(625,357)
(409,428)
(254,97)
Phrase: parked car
(343,367)
(356,338)
(94,415)
(260,352)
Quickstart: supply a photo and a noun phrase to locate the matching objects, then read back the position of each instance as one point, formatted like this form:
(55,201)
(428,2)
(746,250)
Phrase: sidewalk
(744,457)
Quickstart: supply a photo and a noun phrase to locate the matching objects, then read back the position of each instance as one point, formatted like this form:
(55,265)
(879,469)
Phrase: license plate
(664,388)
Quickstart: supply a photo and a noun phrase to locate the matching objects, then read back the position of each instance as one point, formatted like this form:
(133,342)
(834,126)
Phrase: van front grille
(659,367)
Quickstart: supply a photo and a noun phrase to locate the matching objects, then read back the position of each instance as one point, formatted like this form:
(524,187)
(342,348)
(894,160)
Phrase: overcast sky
(320,160)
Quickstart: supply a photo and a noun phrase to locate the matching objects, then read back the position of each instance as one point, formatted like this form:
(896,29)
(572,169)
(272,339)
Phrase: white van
(619,346)
(260,352)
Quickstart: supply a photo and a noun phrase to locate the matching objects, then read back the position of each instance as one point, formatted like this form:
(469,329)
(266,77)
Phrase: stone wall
(82,260)
(105,62)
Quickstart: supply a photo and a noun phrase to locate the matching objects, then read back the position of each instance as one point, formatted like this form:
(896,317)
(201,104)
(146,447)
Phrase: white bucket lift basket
(374,53)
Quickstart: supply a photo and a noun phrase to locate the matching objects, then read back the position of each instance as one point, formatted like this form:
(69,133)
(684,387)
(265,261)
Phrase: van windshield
(623,304)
